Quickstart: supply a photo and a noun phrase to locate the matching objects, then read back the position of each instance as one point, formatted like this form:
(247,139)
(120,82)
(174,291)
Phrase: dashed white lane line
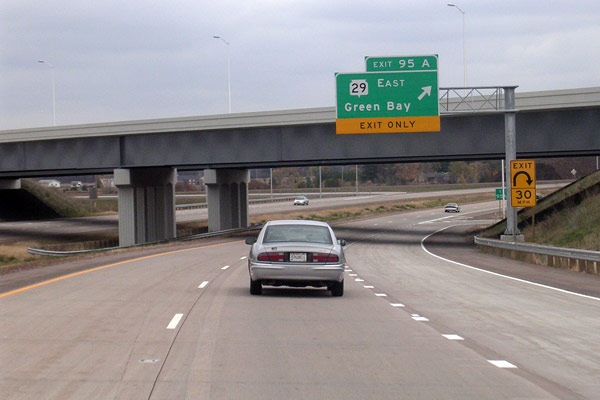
(359,280)
(225,267)
(203,285)
(368,286)
(174,321)
(502,364)
(380,294)
(417,317)
(396,304)
(497,274)
(243,258)
(352,274)
(453,337)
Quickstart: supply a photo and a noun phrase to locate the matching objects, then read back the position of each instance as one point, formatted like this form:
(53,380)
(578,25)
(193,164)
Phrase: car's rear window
(297,233)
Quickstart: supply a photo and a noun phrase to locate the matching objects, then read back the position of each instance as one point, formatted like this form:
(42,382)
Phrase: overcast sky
(131,60)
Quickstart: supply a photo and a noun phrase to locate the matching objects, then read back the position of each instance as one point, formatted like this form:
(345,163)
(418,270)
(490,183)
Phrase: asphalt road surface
(60,228)
(179,323)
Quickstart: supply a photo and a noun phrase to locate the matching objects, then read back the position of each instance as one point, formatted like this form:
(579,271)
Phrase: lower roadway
(58,229)
(422,317)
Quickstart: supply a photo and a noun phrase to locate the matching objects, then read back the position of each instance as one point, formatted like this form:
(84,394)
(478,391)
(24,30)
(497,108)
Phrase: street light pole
(463,39)
(53,102)
(228,70)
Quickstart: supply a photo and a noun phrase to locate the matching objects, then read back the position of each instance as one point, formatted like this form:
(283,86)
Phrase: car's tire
(255,287)
(337,289)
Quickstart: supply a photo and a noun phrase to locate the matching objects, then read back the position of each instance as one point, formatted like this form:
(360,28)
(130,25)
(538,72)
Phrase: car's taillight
(271,257)
(324,258)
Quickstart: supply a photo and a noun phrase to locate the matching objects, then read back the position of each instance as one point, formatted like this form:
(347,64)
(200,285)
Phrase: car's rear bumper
(296,272)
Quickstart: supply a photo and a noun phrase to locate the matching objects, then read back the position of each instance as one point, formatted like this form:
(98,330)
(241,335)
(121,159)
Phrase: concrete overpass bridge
(144,155)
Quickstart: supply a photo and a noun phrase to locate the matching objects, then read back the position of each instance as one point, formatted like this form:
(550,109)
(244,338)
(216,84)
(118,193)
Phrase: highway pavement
(422,317)
(63,227)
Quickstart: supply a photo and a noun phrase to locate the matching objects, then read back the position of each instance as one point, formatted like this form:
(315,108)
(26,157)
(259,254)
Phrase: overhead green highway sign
(402,63)
(387,102)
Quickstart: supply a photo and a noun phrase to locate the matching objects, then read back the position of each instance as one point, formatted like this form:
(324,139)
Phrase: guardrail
(57,253)
(254,201)
(587,255)
(565,258)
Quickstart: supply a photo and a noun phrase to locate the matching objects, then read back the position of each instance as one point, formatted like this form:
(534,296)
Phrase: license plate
(297,257)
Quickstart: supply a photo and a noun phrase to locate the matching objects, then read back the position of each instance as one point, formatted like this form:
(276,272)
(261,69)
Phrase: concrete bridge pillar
(10,184)
(146,204)
(227,198)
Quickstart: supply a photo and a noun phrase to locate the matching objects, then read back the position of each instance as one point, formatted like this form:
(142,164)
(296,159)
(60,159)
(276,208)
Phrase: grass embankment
(576,226)
(14,255)
(54,199)
(568,217)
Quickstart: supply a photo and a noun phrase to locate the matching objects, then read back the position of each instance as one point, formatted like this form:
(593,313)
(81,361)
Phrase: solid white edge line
(174,321)
(203,285)
(497,274)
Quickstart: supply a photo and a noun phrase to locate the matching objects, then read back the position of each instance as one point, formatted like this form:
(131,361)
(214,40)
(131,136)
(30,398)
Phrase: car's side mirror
(251,240)
(342,242)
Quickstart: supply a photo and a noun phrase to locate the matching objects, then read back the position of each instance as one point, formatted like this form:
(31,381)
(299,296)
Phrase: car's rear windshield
(297,233)
(300,198)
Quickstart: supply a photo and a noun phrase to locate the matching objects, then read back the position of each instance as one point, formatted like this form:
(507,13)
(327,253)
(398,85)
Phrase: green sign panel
(402,63)
(499,194)
(381,102)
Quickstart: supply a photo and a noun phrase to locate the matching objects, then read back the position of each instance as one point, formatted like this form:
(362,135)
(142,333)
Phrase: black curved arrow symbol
(529,180)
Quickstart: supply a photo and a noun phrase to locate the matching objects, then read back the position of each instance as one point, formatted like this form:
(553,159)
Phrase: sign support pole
(503,173)
(510,144)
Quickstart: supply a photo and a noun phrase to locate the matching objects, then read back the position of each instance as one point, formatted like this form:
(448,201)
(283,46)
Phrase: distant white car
(301,201)
(452,207)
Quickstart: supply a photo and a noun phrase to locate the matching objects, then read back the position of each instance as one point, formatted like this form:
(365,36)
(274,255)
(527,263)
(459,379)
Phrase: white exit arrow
(426,91)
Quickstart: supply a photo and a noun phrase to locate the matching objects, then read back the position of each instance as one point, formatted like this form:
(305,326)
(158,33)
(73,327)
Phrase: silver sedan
(296,253)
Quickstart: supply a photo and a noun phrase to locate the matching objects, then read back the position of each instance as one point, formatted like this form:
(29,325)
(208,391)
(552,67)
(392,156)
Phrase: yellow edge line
(60,278)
